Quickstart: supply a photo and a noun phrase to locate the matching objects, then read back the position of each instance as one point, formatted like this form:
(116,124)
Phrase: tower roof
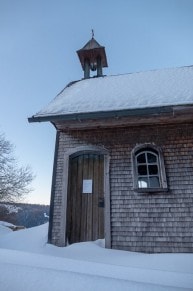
(90,51)
(91,44)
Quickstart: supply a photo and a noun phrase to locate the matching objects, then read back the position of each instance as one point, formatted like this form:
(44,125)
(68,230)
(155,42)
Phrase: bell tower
(92,58)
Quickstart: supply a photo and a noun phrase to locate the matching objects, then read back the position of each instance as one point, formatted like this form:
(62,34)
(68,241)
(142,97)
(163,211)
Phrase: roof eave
(112,114)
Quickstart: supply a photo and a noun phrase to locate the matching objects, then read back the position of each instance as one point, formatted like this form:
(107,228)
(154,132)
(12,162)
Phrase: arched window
(149,171)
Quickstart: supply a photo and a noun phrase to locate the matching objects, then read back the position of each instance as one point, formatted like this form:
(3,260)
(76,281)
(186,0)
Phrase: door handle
(101,203)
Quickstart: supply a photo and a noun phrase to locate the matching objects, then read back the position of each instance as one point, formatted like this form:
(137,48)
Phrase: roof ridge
(151,70)
(123,74)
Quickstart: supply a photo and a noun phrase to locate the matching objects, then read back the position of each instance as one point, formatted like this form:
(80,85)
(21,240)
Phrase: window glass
(142,170)
(147,164)
(142,182)
(151,158)
(141,159)
(153,169)
(154,182)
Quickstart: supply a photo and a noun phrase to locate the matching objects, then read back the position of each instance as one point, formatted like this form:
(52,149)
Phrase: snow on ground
(28,263)
(5,224)
(4,228)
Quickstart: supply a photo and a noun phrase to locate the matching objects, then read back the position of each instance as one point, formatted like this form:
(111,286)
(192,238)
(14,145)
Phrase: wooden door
(85,204)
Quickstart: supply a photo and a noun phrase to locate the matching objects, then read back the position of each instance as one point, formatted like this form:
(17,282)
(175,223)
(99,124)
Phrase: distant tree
(5,215)
(14,180)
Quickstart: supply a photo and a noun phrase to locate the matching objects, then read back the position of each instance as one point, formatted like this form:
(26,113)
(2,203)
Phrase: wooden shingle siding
(143,222)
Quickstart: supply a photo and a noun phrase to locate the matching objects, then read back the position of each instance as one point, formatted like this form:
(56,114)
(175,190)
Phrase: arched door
(85,200)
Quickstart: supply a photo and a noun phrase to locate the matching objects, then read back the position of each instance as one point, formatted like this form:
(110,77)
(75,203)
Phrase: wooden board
(85,211)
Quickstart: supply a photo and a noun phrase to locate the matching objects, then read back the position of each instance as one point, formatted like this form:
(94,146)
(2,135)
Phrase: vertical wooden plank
(79,198)
(101,196)
(71,200)
(95,198)
(89,199)
(69,205)
(85,219)
(84,201)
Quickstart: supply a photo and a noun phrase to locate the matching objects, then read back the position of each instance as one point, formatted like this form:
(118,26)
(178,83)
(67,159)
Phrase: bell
(93,66)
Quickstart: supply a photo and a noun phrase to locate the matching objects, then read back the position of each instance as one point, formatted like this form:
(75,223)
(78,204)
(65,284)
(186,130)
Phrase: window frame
(149,148)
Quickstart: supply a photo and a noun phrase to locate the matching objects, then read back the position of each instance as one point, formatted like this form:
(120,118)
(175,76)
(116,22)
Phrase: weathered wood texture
(123,118)
(85,216)
(161,222)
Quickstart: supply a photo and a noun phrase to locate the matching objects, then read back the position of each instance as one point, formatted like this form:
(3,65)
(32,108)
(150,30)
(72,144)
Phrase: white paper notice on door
(87,186)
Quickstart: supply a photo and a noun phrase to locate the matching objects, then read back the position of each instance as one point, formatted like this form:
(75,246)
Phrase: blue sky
(39,39)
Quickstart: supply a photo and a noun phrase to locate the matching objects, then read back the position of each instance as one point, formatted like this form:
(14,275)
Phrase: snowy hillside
(24,214)
(27,263)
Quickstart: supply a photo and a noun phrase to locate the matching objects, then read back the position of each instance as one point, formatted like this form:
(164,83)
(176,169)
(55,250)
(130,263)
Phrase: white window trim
(161,169)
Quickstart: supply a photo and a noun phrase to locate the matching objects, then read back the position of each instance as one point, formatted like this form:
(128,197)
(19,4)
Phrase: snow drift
(27,262)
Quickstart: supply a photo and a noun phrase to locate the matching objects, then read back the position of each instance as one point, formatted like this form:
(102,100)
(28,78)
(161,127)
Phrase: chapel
(123,164)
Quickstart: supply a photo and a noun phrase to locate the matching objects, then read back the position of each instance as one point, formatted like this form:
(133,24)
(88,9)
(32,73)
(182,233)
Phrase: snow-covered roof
(157,88)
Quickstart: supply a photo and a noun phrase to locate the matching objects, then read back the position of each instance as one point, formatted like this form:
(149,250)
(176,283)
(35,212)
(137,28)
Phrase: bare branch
(14,180)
